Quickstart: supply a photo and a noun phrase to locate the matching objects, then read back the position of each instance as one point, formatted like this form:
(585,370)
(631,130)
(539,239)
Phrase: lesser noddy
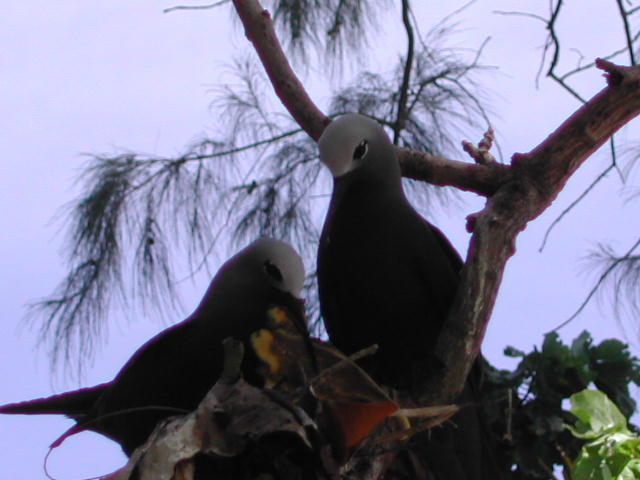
(173,371)
(387,276)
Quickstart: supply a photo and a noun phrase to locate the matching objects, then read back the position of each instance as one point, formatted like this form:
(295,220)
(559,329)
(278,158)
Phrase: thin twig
(591,64)
(403,113)
(566,86)
(572,205)
(520,14)
(554,37)
(327,373)
(595,288)
(169,163)
(195,7)
(633,10)
(627,31)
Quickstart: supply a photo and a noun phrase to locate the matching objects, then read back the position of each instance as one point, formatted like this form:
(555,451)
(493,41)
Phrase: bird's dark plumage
(173,371)
(388,277)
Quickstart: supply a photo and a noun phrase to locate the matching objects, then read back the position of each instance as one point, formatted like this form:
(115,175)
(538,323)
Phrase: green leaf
(553,347)
(615,369)
(613,349)
(580,345)
(615,456)
(513,352)
(597,415)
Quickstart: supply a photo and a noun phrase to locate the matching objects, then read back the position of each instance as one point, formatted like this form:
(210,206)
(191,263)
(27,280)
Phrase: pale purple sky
(95,76)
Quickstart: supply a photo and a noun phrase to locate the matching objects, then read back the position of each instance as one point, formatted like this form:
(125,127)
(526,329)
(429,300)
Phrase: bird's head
(353,141)
(251,273)
(267,261)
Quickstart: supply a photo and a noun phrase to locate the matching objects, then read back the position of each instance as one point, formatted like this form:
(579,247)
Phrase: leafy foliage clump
(526,408)
(612,451)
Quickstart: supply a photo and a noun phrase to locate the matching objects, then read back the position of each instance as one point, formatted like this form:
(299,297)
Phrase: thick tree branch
(538,177)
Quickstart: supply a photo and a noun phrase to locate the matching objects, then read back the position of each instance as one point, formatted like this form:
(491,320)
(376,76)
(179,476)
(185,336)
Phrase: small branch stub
(481,154)
(617,74)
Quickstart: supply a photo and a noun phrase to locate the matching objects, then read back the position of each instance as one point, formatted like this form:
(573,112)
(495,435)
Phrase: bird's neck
(375,191)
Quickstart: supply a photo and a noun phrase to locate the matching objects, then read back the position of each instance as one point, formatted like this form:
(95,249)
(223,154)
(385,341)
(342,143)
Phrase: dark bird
(172,372)
(385,274)
(388,277)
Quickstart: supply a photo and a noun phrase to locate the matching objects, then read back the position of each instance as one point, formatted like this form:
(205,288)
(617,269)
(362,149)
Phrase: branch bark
(441,171)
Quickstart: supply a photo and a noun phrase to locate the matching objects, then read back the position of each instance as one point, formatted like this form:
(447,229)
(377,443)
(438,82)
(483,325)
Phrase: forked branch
(537,178)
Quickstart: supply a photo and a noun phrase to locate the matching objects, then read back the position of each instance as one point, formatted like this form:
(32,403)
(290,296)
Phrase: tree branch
(627,31)
(573,204)
(537,178)
(260,32)
(612,266)
(438,170)
(195,7)
(403,112)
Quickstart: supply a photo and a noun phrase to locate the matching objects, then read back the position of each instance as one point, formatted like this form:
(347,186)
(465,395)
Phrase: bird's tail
(74,404)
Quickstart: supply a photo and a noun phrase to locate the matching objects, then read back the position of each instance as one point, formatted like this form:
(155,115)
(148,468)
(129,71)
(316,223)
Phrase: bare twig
(520,14)
(633,10)
(567,87)
(553,40)
(627,31)
(551,24)
(595,288)
(195,7)
(327,373)
(403,112)
(592,64)
(573,204)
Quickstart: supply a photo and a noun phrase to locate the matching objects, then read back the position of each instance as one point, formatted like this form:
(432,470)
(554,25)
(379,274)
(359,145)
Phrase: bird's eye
(361,150)
(273,271)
